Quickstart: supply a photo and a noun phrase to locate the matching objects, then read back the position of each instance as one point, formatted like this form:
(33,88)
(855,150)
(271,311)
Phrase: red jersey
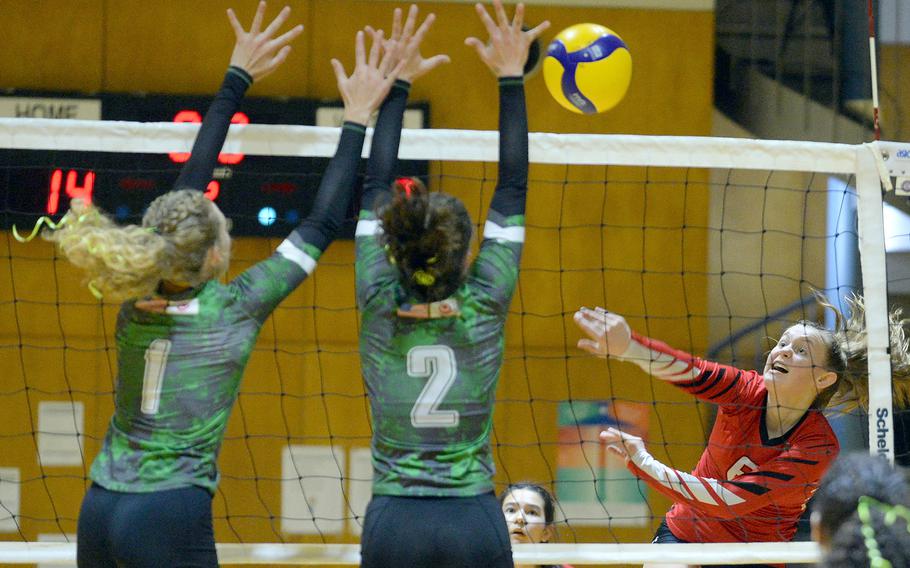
(746,487)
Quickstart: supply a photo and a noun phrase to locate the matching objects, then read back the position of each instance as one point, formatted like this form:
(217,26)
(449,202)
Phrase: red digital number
(73,191)
(212,190)
(184,116)
(233,159)
(194,116)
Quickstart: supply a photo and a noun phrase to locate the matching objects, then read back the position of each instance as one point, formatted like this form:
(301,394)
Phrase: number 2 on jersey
(437,363)
(155,363)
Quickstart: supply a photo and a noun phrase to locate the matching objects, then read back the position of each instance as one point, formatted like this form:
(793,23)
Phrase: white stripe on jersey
(728,496)
(675,480)
(697,489)
(513,234)
(368,228)
(289,250)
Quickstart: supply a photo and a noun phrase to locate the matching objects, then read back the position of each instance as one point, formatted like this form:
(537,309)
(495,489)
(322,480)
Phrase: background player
(431,338)
(530,511)
(770,444)
(182,351)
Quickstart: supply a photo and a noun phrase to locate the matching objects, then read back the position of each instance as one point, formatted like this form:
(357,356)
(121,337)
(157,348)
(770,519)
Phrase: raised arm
(403,45)
(609,335)
(373,269)
(270,281)
(791,476)
(257,53)
(505,54)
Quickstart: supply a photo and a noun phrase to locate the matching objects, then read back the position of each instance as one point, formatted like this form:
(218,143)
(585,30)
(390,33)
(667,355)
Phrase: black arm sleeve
(197,171)
(512,187)
(335,189)
(384,148)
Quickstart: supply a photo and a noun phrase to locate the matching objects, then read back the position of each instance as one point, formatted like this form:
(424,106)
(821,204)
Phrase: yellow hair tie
(424,278)
(95,291)
(41,221)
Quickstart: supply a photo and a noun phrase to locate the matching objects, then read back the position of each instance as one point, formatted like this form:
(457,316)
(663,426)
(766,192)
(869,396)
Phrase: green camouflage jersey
(432,382)
(431,370)
(179,373)
(180,365)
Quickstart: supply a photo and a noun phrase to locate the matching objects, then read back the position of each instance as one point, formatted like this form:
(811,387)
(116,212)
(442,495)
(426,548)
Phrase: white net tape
(53,554)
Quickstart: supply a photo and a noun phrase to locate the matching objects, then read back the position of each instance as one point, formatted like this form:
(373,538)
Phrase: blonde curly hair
(847,344)
(178,231)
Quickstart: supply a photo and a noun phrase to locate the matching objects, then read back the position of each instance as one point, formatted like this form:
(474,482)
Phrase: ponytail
(427,236)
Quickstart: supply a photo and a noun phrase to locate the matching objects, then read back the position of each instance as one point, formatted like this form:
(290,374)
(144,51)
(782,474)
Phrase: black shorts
(444,532)
(161,528)
(664,536)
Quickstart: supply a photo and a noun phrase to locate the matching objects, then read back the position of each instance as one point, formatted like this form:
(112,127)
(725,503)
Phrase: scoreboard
(262,195)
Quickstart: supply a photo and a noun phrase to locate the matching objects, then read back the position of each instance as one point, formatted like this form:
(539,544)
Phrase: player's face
(524,512)
(797,365)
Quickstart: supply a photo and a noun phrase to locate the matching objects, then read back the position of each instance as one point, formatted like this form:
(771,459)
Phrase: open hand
(256,51)
(404,44)
(608,334)
(367,86)
(507,50)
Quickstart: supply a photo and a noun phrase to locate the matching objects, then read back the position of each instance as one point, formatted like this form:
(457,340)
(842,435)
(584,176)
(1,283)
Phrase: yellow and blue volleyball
(588,68)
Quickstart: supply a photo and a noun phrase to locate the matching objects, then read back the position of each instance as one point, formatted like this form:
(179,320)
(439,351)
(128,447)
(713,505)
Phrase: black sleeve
(335,189)
(384,148)
(197,172)
(512,186)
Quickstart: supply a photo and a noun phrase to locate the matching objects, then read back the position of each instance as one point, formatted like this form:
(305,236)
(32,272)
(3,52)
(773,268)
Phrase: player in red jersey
(770,444)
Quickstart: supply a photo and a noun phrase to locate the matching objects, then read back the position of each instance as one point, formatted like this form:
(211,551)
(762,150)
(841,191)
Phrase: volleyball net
(710,244)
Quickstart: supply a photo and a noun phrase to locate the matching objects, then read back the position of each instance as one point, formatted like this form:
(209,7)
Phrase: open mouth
(779,368)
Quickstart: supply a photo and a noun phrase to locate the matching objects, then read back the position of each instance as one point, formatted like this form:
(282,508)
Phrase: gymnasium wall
(172,46)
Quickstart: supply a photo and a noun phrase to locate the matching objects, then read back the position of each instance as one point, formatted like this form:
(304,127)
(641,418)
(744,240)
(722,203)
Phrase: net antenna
(873,59)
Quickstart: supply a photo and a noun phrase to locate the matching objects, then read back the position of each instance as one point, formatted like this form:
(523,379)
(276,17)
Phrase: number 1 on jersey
(155,363)
(436,362)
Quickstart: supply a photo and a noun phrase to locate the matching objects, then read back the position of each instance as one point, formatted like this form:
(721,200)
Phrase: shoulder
(815,430)
(815,440)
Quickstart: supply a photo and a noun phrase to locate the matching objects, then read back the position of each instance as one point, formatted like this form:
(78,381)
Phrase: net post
(875,293)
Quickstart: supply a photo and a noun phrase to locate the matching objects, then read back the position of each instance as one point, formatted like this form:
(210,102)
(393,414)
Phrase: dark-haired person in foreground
(877,535)
(852,476)
(431,341)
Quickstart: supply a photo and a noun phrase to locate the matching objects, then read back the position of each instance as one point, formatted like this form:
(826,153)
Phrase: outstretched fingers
(360,56)
(396,25)
(235,24)
(375,48)
(518,19)
(501,16)
(288,36)
(257,19)
(485,18)
(409,24)
(423,29)
(340,73)
(537,30)
(279,21)
(257,52)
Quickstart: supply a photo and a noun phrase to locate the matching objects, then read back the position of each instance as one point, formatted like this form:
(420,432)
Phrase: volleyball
(588,68)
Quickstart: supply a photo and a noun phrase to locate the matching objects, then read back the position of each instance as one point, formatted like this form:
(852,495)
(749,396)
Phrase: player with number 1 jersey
(183,337)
